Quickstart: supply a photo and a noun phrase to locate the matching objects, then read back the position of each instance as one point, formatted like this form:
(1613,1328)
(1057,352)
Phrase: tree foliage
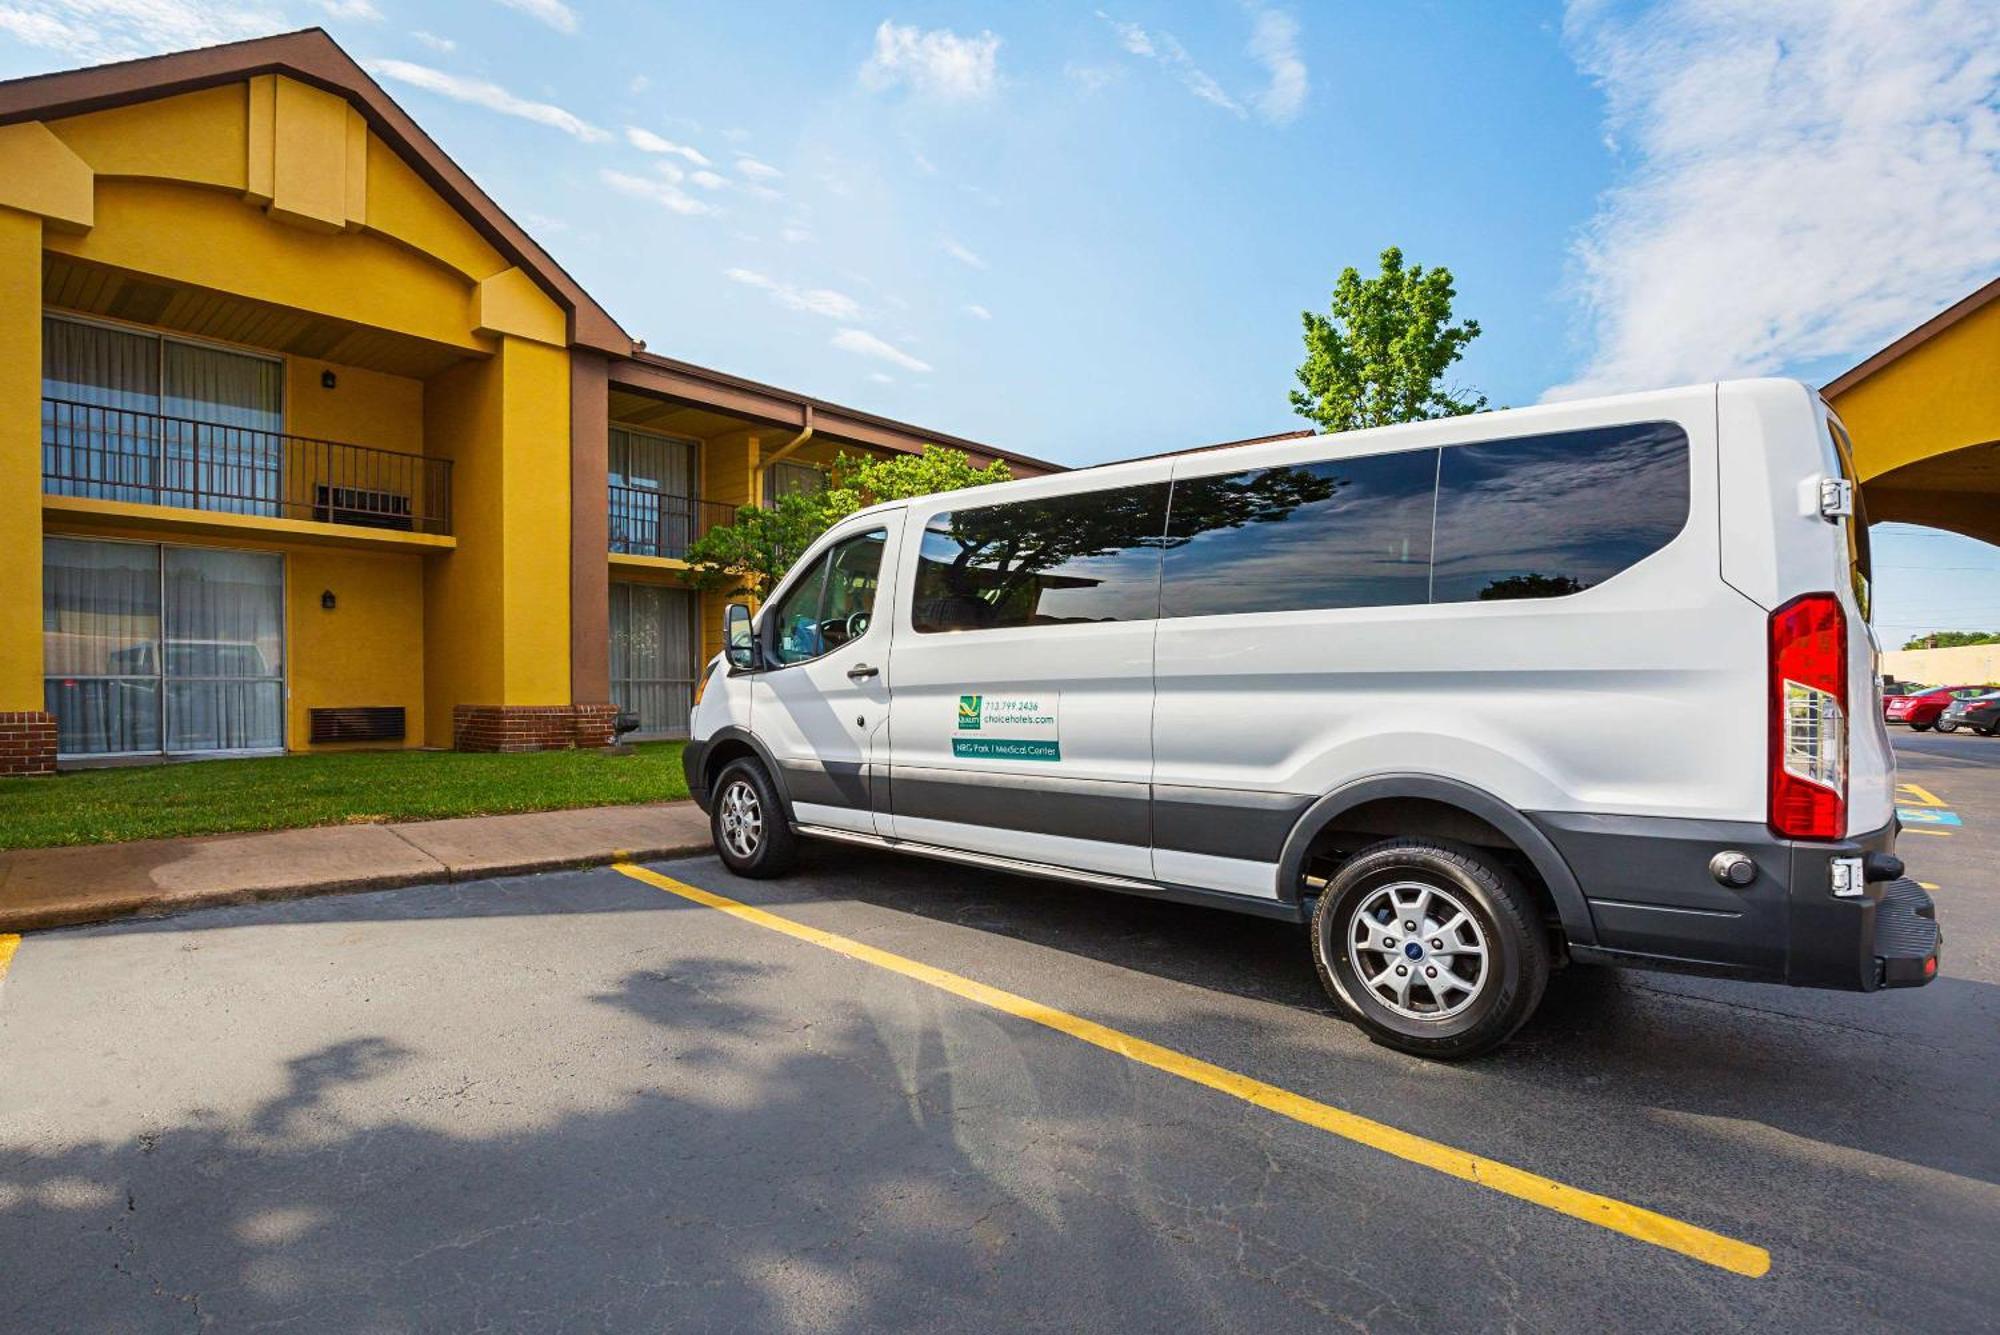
(1380,354)
(752,553)
(1953,639)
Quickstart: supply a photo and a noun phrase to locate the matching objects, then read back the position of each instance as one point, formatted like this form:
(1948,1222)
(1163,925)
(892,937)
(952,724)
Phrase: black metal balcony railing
(117,454)
(654,523)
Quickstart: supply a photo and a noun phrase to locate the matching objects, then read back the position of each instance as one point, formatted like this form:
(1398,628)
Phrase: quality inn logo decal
(1020,725)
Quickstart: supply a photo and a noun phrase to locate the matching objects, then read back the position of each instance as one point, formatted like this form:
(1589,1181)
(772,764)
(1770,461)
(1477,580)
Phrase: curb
(168,905)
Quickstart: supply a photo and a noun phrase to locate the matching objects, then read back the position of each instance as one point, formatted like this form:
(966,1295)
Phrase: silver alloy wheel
(1418,950)
(742,819)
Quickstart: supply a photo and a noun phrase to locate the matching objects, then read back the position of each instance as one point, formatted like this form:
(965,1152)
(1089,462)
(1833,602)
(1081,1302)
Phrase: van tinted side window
(1542,516)
(1340,533)
(1060,559)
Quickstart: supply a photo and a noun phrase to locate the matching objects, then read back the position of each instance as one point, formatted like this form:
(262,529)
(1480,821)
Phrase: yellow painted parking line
(1633,1221)
(1926,885)
(8,945)
(1919,829)
(1921,797)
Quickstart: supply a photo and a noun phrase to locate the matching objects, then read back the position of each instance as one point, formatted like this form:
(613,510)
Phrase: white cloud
(961,254)
(707,180)
(648,142)
(814,301)
(1274,41)
(1090,78)
(978,312)
(865,344)
(358,11)
(1803,181)
(795,233)
(938,63)
(552,12)
(664,193)
(1166,49)
(441,45)
(755,170)
(882,377)
(99,30)
(492,96)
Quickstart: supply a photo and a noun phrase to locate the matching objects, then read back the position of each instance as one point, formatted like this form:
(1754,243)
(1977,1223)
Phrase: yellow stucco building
(304,443)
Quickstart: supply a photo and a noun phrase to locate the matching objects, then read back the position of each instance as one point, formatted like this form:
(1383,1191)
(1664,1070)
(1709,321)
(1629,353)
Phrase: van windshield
(1860,568)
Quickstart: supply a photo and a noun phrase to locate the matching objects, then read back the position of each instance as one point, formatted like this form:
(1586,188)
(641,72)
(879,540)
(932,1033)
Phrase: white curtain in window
(98,438)
(232,460)
(653,478)
(223,657)
(101,645)
(789,479)
(652,655)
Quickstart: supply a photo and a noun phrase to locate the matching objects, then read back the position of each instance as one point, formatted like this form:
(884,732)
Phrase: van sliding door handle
(862,672)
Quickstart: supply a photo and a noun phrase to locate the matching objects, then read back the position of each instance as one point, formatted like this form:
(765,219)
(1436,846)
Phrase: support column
(589,529)
(497,609)
(27,733)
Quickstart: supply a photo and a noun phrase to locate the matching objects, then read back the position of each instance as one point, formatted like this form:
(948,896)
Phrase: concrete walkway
(59,887)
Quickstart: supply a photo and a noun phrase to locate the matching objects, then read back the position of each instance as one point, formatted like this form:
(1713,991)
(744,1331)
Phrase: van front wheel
(746,819)
(1436,951)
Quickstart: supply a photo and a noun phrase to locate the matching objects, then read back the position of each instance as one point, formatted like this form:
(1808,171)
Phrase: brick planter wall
(530,727)
(27,743)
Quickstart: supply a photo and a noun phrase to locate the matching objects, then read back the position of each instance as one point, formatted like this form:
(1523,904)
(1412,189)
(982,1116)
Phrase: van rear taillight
(1808,754)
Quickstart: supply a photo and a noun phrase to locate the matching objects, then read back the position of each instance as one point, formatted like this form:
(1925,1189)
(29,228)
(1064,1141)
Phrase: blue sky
(1087,232)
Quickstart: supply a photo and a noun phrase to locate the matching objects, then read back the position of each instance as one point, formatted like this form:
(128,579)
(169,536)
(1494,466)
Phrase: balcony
(100,453)
(656,523)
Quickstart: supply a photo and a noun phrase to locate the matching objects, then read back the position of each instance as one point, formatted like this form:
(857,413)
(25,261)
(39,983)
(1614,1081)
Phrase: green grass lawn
(331,788)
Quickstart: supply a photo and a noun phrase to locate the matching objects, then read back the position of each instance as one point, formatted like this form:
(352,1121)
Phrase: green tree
(1380,353)
(1952,639)
(752,553)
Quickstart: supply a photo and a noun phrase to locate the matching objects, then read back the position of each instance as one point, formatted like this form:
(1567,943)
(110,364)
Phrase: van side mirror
(739,642)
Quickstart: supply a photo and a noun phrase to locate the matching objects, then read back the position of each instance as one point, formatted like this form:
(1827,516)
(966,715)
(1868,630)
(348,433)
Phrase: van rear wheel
(746,819)
(1435,951)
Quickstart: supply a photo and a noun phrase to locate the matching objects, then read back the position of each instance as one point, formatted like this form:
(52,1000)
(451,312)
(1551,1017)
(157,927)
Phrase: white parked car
(1475,698)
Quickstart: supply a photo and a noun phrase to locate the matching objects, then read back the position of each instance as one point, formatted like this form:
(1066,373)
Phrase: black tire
(747,821)
(1947,725)
(1504,921)
(1920,727)
(1988,732)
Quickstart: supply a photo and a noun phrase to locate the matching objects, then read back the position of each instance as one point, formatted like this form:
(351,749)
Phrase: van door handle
(862,672)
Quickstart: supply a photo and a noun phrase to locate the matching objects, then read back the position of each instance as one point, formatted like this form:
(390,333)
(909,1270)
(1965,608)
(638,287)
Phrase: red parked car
(1921,710)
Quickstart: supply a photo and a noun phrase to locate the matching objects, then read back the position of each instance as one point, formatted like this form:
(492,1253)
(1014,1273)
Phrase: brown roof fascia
(313,57)
(781,407)
(1916,338)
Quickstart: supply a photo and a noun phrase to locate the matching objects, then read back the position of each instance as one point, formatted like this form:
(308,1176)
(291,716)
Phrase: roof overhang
(312,57)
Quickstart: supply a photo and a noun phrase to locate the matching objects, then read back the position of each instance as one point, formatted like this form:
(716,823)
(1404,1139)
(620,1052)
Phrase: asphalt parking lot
(592,1100)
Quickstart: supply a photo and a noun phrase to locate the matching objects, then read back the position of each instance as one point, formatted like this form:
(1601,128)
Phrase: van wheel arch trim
(1571,906)
(711,770)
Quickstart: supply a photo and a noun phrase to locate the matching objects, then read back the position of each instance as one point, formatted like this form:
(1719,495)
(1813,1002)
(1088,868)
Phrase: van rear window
(1543,516)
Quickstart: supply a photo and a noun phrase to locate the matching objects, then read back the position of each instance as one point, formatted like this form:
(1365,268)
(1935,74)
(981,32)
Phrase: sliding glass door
(653,656)
(129,415)
(162,650)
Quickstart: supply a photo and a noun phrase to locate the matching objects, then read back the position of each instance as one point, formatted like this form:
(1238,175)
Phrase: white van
(1590,682)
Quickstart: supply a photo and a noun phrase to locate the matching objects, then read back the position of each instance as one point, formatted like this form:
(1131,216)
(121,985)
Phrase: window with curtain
(162,649)
(786,479)
(136,416)
(653,651)
(652,480)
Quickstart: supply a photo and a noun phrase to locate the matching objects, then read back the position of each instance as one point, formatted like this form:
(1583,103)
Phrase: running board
(1124,885)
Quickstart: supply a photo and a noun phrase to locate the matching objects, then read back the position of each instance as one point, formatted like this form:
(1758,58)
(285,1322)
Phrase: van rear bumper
(1655,903)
